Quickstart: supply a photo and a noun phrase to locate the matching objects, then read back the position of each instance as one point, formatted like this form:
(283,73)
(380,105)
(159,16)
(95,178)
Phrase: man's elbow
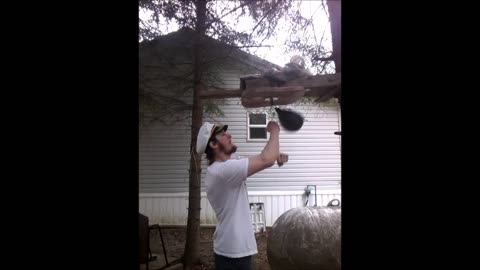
(269,162)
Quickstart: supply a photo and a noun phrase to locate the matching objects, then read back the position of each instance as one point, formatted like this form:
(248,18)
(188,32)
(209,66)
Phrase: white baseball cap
(206,132)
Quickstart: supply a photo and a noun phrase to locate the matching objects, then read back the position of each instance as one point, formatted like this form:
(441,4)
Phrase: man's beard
(224,150)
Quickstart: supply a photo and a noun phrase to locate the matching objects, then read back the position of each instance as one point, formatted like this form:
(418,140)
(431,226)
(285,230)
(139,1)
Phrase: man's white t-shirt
(227,192)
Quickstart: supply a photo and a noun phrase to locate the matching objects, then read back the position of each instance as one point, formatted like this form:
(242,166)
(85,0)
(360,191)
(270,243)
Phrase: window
(257,126)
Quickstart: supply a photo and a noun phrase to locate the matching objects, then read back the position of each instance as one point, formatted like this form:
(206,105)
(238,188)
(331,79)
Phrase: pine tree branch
(226,14)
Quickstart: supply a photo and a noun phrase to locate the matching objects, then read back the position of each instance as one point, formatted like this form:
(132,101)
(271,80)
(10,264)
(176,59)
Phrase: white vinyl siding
(314,150)
(164,144)
(171,209)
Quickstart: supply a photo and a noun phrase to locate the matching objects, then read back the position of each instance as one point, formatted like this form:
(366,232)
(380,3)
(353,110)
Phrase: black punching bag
(289,119)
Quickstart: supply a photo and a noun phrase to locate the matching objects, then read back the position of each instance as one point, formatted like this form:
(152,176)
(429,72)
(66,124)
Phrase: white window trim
(253,126)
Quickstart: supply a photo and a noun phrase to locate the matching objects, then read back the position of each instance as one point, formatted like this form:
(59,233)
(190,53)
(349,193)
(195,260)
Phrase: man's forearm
(271,151)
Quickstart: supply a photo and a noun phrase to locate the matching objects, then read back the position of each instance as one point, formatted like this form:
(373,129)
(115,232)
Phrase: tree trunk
(192,246)
(335,14)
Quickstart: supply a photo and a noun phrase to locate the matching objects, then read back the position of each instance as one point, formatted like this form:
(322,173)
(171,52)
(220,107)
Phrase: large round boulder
(306,238)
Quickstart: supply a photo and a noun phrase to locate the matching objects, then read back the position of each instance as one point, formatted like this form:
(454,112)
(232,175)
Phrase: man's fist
(273,127)
(282,158)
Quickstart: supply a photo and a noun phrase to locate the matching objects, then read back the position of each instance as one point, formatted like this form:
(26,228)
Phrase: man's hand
(282,158)
(273,127)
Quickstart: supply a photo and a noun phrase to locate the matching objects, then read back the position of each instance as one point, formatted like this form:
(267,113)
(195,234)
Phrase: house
(164,138)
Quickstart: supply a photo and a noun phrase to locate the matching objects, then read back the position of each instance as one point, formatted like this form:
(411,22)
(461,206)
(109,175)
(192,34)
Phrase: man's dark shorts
(225,263)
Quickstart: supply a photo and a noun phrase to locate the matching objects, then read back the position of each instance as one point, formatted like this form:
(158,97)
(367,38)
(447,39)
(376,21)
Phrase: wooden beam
(267,92)
(316,81)
(327,85)
(321,80)
(323,93)
(331,93)
(213,94)
(268,96)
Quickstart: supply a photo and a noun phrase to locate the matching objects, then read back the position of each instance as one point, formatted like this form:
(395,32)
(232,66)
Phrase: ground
(174,239)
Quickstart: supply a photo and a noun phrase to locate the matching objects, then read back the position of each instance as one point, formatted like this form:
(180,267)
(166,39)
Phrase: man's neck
(222,157)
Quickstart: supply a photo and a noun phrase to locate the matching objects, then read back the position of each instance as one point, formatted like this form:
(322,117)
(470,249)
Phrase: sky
(275,53)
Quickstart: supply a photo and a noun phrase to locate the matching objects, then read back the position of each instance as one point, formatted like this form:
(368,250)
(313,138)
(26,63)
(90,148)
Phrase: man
(234,240)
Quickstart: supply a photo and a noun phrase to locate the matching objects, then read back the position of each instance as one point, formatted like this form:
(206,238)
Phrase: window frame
(257,126)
